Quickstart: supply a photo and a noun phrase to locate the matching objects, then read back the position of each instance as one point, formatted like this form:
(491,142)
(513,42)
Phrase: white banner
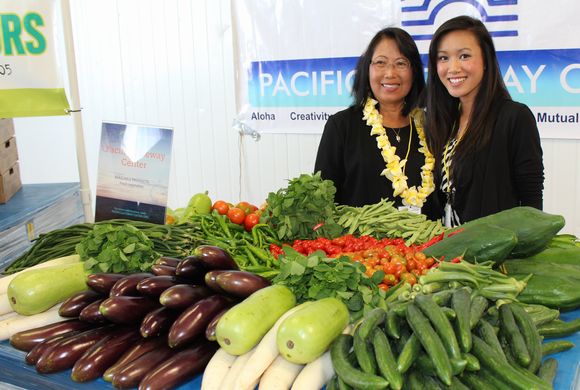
(295,60)
(30,79)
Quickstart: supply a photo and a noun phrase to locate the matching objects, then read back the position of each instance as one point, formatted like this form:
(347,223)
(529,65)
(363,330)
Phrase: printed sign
(134,166)
(294,72)
(30,78)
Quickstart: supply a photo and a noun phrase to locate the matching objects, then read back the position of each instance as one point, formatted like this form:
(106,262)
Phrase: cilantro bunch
(119,249)
(303,210)
(315,277)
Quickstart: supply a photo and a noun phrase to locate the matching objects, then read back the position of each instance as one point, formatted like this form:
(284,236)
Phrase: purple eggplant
(128,284)
(210,329)
(103,282)
(158,321)
(180,367)
(92,314)
(65,353)
(73,306)
(191,268)
(28,339)
(155,285)
(210,280)
(141,347)
(127,310)
(162,270)
(93,363)
(181,296)
(214,257)
(35,353)
(131,374)
(166,260)
(194,320)
(240,284)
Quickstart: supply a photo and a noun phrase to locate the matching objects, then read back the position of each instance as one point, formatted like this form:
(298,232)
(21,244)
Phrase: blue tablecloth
(13,370)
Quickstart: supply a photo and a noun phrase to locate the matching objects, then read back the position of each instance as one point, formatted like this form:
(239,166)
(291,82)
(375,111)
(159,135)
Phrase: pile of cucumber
(447,340)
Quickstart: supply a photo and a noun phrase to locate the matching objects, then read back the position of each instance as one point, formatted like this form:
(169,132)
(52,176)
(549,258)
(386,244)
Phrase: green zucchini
(558,255)
(431,342)
(386,360)
(345,371)
(478,243)
(533,228)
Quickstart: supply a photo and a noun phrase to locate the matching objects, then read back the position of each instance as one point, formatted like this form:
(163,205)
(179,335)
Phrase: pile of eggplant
(147,330)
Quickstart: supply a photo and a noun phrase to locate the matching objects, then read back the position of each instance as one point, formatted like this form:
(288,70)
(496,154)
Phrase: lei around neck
(394,170)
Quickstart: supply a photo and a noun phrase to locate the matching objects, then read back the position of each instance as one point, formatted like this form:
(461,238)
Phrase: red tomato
(250,221)
(244,206)
(221,207)
(236,215)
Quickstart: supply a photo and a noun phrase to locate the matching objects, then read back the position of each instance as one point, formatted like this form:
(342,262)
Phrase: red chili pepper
(318,226)
(454,233)
(456,260)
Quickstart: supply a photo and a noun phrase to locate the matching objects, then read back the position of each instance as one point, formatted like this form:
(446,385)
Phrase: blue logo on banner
(541,78)
(424,12)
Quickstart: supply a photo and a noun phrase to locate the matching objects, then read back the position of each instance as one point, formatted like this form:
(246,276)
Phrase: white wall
(171,63)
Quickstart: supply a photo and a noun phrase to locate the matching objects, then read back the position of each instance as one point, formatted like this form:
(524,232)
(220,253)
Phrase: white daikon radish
(216,370)
(238,365)
(5,307)
(315,374)
(19,323)
(280,375)
(266,353)
(5,281)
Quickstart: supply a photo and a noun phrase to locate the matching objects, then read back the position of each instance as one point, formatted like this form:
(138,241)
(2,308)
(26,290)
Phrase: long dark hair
(361,89)
(442,108)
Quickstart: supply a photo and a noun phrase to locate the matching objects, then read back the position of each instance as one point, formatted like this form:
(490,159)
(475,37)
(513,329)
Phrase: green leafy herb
(119,249)
(315,277)
(305,209)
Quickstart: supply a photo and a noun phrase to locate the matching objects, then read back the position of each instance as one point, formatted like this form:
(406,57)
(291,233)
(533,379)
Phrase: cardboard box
(6,129)
(8,154)
(9,182)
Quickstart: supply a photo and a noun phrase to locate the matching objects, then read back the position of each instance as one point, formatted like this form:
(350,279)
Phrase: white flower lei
(394,166)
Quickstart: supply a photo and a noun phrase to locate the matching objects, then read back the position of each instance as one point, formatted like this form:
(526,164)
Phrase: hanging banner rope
(30,78)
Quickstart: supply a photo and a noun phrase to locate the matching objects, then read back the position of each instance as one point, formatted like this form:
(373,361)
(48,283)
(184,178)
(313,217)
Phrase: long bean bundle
(383,220)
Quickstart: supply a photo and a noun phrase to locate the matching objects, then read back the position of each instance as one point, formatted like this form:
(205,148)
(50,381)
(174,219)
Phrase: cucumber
(364,354)
(514,336)
(431,342)
(514,378)
(461,303)
(345,371)
(307,333)
(475,382)
(556,346)
(472,363)
(386,360)
(441,324)
(35,291)
(371,320)
(531,336)
(559,328)
(408,354)
(478,307)
(244,325)
(392,327)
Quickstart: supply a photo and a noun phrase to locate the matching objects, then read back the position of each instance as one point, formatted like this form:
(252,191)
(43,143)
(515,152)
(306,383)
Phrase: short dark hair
(442,108)
(361,89)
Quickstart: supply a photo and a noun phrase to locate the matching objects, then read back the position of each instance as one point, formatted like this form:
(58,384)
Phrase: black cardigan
(506,173)
(348,155)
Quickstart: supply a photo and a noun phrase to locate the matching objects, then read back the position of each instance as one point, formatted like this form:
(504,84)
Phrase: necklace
(397,133)
(394,170)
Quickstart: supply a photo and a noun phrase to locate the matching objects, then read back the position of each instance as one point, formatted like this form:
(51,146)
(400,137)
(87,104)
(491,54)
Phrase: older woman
(375,149)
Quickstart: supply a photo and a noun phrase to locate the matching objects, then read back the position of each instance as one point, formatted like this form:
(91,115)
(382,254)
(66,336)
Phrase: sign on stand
(133,173)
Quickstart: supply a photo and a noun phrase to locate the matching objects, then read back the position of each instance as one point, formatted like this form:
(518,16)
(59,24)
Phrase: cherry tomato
(236,215)
(221,207)
(250,221)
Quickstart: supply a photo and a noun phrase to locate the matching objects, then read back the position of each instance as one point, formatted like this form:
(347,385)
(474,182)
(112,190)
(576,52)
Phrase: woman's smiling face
(460,64)
(390,73)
